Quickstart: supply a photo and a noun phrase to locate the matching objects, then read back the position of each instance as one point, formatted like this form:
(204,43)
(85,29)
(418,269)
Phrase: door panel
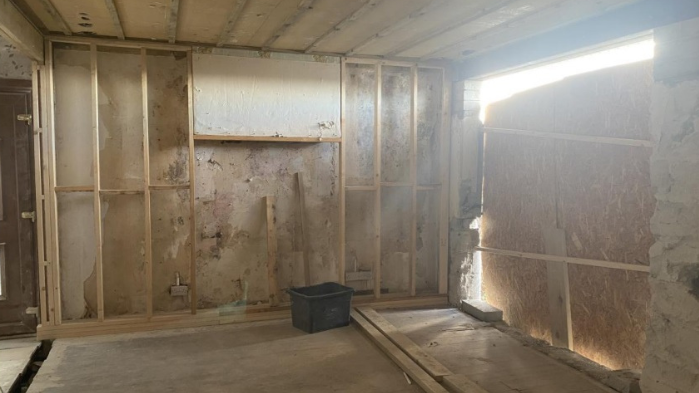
(17,255)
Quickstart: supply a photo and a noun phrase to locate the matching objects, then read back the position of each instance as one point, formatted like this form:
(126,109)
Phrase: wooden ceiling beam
(56,16)
(368,6)
(451,27)
(115,18)
(302,8)
(398,25)
(485,33)
(20,32)
(227,33)
(172,21)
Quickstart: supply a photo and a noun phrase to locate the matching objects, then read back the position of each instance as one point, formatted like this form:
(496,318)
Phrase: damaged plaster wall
(672,350)
(13,64)
(233,180)
(266,96)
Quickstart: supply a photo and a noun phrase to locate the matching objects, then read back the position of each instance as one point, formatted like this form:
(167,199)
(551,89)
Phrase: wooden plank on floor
(415,372)
(558,289)
(435,369)
(459,383)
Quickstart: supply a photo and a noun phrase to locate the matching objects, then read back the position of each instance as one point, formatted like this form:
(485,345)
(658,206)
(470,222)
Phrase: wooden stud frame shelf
(51,324)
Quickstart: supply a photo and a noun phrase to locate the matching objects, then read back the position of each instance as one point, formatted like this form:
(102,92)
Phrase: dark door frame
(28,271)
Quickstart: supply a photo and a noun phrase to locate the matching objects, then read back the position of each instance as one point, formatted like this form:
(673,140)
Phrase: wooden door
(17,248)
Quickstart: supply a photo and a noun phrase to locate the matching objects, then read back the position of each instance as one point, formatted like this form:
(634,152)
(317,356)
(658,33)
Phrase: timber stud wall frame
(52,324)
(413,184)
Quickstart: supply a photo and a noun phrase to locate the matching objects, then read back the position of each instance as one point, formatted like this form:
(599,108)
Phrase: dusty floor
(493,359)
(256,357)
(15,354)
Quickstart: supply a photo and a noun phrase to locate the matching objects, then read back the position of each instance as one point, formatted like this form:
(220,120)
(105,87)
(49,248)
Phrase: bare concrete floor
(15,355)
(489,357)
(256,357)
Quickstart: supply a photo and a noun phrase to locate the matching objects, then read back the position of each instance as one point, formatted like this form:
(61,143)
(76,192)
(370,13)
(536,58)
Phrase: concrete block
(481,310)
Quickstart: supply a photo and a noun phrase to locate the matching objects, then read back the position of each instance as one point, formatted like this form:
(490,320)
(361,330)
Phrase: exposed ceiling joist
(398,25)
(56,16)
(227,33)
(172,21)
(635,18)
(22,34)
(448,28)
(115,18)
(368,6)
(302,8)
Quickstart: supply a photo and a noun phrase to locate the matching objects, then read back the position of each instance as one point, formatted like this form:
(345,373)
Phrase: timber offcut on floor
(272,356)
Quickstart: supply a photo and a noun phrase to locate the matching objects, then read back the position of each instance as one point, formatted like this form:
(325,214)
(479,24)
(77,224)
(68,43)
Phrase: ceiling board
(547,19)
(382,16)
(452,12)
(508,13)
(37,9)
(203,20)
(316,22)
(263,19)
(74,13)
(144,19)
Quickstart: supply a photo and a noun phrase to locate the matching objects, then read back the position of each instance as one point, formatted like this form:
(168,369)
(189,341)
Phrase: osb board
(266,97)
(396,93)
(171,247)
(36,7)
(518,192)
(614,102)
(610,311)
(232,181)
(123,254)
(73,123)
(359,124)
(429,124)
(427,241)
(76,258)
(605,201)
(360,236)
(518,287)
(530,110)
(168,120)
(120,120)
(396,220)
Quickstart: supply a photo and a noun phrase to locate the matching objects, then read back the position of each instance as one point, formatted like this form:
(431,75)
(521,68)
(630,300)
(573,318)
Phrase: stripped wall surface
(598,193)
(13,64)
(145,154)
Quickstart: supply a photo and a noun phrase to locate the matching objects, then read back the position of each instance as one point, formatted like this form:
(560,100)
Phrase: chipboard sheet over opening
(256,95)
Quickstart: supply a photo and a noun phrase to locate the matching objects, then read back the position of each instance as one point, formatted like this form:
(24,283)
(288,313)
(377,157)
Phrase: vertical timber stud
(443,269)
(96,178)
(272,251)
(377,183)
(39,192)
(192,213)
(343,207)
(146,186)
(558,289)
(413,179)
(54,278)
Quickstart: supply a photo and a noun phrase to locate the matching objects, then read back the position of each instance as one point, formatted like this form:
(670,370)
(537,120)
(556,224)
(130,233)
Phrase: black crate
(320,307)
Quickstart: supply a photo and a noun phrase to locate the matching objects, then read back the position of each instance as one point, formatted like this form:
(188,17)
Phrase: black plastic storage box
(320,307)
